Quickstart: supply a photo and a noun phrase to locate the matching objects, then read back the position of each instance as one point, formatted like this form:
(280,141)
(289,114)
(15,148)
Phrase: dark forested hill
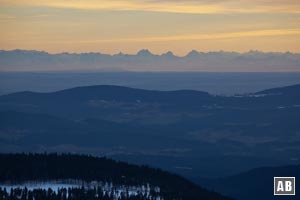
(92,101)
(22,167)
(107,93)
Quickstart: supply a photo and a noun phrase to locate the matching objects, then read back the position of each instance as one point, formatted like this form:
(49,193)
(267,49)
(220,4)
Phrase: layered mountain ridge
(144,60)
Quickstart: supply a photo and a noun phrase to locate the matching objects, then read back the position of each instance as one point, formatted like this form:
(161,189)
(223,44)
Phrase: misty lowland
(214,141)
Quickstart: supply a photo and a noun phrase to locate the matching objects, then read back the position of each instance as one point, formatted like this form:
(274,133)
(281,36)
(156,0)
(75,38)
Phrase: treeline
(24,167)
(71,194)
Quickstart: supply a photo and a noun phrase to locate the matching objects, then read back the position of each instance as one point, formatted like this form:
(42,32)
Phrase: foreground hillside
(22,167)
(254,184)
(188,132)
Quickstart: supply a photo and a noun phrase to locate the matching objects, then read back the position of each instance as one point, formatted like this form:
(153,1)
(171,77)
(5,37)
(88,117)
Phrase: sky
(112,26)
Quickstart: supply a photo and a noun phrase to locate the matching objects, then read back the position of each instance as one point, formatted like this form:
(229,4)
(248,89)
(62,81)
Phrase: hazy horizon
(154,53)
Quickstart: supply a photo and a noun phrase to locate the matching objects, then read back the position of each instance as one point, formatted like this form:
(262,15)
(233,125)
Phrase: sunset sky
(111,26)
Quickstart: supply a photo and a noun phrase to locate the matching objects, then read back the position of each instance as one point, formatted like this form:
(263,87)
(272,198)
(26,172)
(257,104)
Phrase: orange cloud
(177,6)
(211,36)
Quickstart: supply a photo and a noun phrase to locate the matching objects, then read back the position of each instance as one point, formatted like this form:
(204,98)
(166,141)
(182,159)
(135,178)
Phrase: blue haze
(215,83)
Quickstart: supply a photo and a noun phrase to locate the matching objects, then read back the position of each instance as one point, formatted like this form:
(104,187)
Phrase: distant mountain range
(144,60)
(254,184)
(189,132)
